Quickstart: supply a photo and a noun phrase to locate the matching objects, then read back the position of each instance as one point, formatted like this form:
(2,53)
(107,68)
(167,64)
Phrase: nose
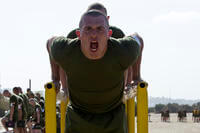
(93,34)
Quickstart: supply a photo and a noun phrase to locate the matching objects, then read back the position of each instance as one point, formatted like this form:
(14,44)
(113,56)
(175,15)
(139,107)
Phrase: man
(25,107)
(37,120)
(21,110)
(95,66)
(28,91)
(116,33)
(11,118)
(132,73)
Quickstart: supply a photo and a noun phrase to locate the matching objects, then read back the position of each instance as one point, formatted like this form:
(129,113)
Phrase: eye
(87,29)
(100,28)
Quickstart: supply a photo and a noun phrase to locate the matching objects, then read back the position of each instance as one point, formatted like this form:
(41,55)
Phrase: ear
(108,17)
(110,33)
(78,33)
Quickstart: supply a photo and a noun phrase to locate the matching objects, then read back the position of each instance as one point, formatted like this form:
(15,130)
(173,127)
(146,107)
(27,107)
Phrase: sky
(170,29)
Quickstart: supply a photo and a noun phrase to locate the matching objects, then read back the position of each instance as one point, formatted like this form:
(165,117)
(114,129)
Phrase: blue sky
(170,29)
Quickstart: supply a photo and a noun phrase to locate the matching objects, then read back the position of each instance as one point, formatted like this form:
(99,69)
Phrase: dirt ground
(172,126)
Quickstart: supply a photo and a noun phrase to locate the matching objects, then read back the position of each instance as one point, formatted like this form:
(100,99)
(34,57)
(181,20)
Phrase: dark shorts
(111,122)
(21,124)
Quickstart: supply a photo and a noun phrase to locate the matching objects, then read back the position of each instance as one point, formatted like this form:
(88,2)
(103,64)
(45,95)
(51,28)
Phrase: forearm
(63,78)
(55,76)
(129,76)
(136,69)
(38,117)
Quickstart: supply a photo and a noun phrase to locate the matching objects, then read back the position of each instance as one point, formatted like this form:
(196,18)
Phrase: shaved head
(97,6)
(92,13)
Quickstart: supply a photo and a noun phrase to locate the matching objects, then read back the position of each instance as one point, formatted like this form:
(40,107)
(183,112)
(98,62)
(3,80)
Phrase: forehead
(5,92)
(94,20)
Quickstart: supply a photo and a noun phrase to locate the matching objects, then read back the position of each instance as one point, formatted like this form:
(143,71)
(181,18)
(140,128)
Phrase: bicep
(49,44)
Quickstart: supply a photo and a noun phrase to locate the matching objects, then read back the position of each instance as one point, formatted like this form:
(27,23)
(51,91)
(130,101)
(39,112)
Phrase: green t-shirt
(95,86)
(116,33)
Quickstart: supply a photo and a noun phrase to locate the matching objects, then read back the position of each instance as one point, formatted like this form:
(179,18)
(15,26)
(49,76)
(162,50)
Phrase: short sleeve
(58,47)
(128,51)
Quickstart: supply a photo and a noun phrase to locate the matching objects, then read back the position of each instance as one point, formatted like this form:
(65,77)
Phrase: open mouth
(94,46)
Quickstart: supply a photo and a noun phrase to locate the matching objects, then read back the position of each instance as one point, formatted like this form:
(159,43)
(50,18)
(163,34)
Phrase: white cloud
(177,17)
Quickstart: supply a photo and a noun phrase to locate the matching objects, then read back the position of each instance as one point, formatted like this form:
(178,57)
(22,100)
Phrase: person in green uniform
(28,91)
(132,75)
(21,110)
(11,119)
(95,64)
(37,116)
(116,33)
(29,117)
(23,121)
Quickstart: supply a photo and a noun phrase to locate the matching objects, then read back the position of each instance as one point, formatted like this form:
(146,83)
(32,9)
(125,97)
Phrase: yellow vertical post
(63,107)
(142,108)
(50,108)
(131,115)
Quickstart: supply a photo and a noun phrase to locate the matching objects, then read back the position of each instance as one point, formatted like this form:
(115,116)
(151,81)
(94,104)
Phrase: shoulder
(61,42)
(117,32)
(124,45)
(124,40)
(13,98)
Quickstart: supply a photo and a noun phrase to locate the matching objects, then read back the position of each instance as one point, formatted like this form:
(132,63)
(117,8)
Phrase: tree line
(174,107)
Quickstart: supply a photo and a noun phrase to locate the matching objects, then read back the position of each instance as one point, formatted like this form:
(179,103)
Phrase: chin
(95,57)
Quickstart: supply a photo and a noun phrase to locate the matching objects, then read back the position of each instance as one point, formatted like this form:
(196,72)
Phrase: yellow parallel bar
(131,115)
(50,108)
(63,107)
(142,108)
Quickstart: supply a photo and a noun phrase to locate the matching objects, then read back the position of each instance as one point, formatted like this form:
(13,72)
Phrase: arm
(59,50)
(38,115)
(129,76)
(63,79)
(136,75)
(13,103)
(54,67)
(11,111)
